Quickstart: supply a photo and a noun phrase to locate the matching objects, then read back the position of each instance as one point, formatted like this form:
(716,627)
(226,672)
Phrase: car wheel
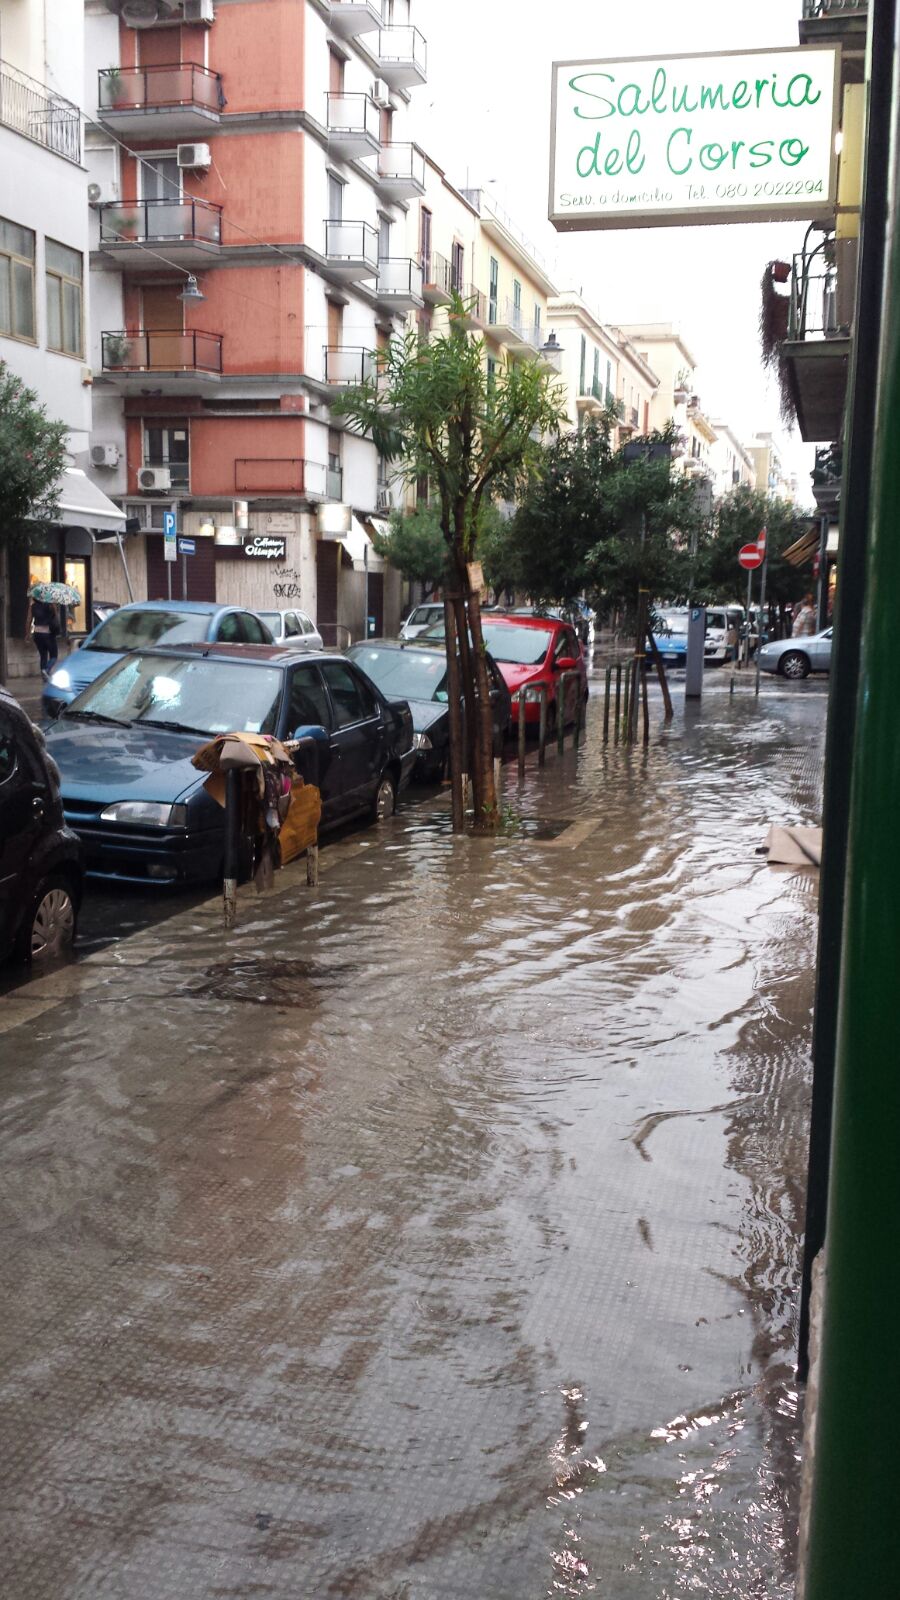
(794,664)
(49,928)
(385,802)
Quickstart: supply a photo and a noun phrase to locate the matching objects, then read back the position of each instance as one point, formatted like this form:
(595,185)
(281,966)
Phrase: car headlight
(535,694)
(148,813)
(61,679)
(421,741)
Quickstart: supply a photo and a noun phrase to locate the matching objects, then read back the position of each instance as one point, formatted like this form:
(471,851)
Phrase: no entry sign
(751,556)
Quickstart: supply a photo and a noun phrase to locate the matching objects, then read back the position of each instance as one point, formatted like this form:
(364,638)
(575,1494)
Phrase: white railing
(36,112)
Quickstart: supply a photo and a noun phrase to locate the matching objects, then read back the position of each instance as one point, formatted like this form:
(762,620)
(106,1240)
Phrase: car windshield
(405,674)
(198,694)
(673,621)
(716,619)
(425,614)
(519,647)
(272,620)
(128,630)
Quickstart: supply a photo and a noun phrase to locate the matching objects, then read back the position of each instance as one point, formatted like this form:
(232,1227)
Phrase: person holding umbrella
(43,600)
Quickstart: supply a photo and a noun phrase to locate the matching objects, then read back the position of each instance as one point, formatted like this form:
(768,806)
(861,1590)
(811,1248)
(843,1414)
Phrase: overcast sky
(484,115)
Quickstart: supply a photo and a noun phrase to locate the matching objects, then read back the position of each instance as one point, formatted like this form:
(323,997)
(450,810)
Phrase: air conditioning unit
(199,11)
(383,498)
(193,155)
(154,478)
(381,94)
(142,13)
(104,455)
(101,194)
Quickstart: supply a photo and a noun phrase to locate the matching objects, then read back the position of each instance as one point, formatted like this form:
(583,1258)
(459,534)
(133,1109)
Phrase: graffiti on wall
(286,585)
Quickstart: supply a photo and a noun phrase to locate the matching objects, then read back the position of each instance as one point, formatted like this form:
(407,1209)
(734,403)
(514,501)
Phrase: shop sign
(281,522)
(653,141)
(266,548)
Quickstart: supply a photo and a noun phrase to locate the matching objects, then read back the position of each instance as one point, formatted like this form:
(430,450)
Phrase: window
(335,71)
(426,244)
(168,446)
(305,624)
(457,267)
(8,753)
(64,272)
(334,450)
(349,706)
(386,128)
(292,628)
(160,178)
(335,198)
(229,630)
(252,629)
(384,238)
(609,382)
(493,289)
(582,371)
(16,281)
(491,371)
(597,371)
(537,323)
(309,702)
(517,302)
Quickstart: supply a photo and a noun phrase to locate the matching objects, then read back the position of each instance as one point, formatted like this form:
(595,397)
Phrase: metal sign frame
(595,222)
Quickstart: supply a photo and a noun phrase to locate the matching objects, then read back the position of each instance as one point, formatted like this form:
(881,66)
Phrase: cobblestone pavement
(435,1234)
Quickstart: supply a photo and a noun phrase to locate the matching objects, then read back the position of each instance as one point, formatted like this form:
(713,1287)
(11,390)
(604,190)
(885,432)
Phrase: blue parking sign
(170,538)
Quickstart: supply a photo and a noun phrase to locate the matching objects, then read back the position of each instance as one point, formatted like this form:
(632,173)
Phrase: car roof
(258,655)
(528,622)
(204,608)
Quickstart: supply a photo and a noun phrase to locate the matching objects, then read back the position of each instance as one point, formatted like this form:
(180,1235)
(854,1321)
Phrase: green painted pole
(854,1537)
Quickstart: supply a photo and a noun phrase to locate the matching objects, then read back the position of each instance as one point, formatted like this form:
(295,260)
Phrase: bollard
(520,699)
(232,844)
(312,865)
(542,728)
(498,774)
(606,694)
(464,785)
(646,705)
(626,698)
(618,698)
(731,690)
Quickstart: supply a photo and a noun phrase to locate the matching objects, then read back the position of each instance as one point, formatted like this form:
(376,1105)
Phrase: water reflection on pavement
(436,1235)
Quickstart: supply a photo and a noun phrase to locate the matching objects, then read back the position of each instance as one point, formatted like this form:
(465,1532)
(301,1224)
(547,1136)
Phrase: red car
(535,650)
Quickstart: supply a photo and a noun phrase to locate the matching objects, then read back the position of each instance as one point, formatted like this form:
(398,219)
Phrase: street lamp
(552,350)
(192,290)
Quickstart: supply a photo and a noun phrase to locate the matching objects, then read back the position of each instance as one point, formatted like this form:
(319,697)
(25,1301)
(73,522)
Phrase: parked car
(797,658)
(671,634)
(124,749)
(578,613)
(418,672)
(531,651)
(719,624)
(293,630)
(41,870)
(422,617)
(101,609)
(148,622)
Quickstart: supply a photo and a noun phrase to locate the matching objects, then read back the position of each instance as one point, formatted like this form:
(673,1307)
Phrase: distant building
(731,460)
(771,476)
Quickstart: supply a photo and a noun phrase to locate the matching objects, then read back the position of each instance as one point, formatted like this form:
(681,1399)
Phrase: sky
(484,116)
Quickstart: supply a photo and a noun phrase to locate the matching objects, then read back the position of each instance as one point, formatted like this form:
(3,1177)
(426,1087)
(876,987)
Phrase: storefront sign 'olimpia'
(653,142)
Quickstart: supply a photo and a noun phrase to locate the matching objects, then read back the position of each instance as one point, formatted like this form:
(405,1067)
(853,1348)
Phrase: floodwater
(435,1235)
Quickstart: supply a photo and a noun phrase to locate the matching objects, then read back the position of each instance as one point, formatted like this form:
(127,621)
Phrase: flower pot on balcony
(115,351)
(780,270)
(124,227)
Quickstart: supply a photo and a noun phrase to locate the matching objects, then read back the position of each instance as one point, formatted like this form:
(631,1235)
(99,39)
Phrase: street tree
(432,407)
(739,518)
(415,546)
(32,458)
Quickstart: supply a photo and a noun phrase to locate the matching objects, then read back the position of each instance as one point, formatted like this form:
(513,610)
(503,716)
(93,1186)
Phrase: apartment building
(768,466)
(589,362)
(43,266)
(732,463)
(251,172)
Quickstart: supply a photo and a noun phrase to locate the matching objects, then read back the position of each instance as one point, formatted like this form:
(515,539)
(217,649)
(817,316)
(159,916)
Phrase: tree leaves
(33,455)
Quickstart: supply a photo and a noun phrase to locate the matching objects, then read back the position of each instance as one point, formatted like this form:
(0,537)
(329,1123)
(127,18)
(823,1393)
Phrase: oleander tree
(33,454)
(436,411)
(414,545)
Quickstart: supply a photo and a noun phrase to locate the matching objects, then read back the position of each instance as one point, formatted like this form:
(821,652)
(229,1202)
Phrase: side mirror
(311,730)
(566,664)
(313,757)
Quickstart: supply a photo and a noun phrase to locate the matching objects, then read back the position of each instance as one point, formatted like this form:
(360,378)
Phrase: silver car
(422,617)
(293,630)
(797,658)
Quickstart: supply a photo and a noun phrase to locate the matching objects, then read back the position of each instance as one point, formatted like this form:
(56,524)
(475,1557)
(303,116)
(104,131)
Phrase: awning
(804,548)
(83,505)
(358,545)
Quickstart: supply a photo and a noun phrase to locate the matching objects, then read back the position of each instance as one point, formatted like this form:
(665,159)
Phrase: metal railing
(351,241)
(161,350)
(826,8)
(353,114)
(436,272)
(813,309)
(635,417)
(150,88)
(401,163)
(38,114)
(347,363)
(399,278)
(401,46)
(164,220)
(334,483)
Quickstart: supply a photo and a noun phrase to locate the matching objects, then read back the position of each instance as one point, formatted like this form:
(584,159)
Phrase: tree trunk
(486,811)
(466,677)
(454,710)
(4,612)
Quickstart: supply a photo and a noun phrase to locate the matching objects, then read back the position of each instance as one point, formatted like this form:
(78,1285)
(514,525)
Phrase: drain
(252,980)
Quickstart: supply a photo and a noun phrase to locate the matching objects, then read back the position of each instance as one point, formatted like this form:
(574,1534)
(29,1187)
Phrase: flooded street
(435,1235)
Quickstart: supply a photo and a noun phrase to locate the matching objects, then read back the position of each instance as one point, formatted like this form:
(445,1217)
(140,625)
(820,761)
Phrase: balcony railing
(348,364)
(161,350)
(399,279)
(635,417)
(813,310)
(436,275)
(476,305)
(402,56)
(34,111)
(827,8)
(165,221)
(334,483)
(352,243)
(353,123)
(401,169)
(156,87)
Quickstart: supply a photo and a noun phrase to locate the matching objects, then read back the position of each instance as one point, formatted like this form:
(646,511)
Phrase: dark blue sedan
(124,749)
(139,627)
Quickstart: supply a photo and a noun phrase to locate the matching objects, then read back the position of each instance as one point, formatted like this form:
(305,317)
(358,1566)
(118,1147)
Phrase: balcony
(399,286)
(349,18)
(354,128)
(401,172)
(402,57)
(592,397)
(476,307)
(190,229)
(170,356)
(826,478)
(816,353)
(182,98)
(347,364)
(507,324)
(38,114)
(351,250)
(436,278)
(334,483)
(277,477)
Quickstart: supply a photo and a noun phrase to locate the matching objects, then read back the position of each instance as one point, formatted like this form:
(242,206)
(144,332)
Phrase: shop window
(64,274)
(169,446)
(16,281)
(76,573)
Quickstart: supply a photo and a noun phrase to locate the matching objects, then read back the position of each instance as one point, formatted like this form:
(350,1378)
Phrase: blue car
(139,626)
(671,635)
(124,749)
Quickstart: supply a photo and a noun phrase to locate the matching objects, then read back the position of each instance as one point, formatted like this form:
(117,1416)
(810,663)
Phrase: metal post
(542,728)
(606,694)
(626,696)
(854,1530)
(746,651)
(618,699)
(643,672)
(183,576)
(312,865)
(520,700)
(762,610)
(125,566)
(169,565)
(232,843)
